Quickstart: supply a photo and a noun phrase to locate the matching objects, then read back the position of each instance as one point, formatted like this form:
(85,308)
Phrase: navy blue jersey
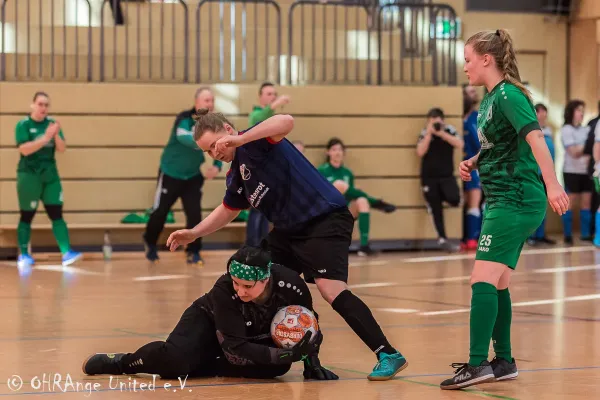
(277,180)
(472,145)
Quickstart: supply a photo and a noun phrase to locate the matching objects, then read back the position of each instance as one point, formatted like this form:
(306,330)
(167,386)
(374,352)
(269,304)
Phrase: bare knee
(488,272)
(330,289)
(363,205)
(341,186)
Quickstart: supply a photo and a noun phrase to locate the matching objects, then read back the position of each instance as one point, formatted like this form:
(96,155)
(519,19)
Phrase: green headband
(249,272)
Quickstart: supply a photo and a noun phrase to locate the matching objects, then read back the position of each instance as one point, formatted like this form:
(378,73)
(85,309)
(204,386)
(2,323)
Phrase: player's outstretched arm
(274,128)
(216,220)
(558,199)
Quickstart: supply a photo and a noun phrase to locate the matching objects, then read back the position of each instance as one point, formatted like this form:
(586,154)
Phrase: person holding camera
(435,147)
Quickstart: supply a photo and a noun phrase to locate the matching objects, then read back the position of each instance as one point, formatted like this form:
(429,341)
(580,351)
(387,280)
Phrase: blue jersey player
(473,187)
(312,226)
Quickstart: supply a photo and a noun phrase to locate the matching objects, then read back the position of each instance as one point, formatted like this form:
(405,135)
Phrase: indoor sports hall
(117,75)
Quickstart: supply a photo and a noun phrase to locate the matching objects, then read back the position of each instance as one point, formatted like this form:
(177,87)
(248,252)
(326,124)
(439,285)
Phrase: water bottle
(107,248)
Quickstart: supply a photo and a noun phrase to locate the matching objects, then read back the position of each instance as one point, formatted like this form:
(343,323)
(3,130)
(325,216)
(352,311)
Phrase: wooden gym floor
(53,318)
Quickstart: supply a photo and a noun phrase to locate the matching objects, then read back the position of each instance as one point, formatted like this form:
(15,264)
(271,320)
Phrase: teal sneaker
(388,366)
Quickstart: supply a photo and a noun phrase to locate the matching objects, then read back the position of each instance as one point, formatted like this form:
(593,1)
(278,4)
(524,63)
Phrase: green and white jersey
(507,167)
(28,130)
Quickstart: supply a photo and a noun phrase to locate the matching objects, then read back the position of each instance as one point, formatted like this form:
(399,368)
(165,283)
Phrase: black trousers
(436,191)
(168,190)
(192,350)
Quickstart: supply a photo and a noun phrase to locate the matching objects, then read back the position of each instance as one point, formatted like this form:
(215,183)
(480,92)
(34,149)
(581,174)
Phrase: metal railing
(121,60)
(42,46)
(349,19)
(347,41)
(234,57)
(416,52)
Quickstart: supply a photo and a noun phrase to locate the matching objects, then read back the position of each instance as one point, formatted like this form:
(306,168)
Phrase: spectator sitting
(359,202)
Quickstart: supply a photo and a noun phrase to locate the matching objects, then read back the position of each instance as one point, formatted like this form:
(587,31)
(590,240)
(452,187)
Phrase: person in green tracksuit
(180,177)
(38,137)
(359,202)
(257,226)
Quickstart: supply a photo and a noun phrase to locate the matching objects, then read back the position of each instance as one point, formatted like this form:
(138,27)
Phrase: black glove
(314,370)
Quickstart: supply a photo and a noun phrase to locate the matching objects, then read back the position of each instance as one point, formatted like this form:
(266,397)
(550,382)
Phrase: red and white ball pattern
(290,324)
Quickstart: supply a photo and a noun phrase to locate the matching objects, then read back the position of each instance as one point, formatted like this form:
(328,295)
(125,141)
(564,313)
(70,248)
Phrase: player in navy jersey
(312,226)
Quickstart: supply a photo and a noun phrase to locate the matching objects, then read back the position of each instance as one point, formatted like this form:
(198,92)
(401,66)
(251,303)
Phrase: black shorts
(578,183)
(438,190)
(319,250)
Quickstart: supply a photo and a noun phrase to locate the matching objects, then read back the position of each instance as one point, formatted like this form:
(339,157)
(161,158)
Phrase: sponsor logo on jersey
(485,144)
(260,192)
(244,172)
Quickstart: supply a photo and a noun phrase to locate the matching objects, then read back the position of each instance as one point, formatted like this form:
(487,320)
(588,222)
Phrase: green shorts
(504,232)
(33,187)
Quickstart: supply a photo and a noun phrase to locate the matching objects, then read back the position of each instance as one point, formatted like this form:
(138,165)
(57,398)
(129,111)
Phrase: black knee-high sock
(160,358)
(358,316)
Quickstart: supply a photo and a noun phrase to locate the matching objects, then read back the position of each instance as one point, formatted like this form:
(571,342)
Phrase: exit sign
(447,28)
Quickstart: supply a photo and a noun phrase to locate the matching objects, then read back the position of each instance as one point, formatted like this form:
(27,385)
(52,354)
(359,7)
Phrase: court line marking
(273,381)
(396,310)
(373,263)
(521,304)
(406,379)
(551,270)
(524,253)
(372,285)
(56,268)
(160,278)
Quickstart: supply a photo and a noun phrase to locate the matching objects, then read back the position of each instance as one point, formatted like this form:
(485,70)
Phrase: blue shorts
(474,183)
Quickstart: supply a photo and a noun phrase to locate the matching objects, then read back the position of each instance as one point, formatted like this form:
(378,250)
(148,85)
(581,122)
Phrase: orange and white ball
(291,323)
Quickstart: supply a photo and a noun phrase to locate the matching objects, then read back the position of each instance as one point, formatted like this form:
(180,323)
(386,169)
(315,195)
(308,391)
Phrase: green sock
(61,233)
(23,237)
(364,220)
(484,309)
(501,334)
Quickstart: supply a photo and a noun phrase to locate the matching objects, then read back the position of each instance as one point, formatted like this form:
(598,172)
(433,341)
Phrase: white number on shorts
(486,240)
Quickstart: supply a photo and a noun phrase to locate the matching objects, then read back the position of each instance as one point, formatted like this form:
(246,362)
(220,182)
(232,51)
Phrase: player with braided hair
(512,146)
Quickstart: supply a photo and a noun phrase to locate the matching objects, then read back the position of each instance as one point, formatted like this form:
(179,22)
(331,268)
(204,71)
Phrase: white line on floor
(396,310)
(374,263)
(160,277)
(524,252)
(554,270)
(521,304)
(61,268)
(372,285)
(448,279)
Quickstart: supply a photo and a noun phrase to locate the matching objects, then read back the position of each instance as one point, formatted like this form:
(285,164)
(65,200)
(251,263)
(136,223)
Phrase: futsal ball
(291,323)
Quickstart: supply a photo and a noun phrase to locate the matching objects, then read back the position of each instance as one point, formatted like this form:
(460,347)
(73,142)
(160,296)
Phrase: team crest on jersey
(485,144)
(244,172)
(489,113)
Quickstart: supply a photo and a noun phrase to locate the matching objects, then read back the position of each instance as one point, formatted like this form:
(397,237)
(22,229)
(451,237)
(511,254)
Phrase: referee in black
(436,146)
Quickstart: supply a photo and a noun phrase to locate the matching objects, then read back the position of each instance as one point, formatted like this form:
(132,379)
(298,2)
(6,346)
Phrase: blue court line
(160,386)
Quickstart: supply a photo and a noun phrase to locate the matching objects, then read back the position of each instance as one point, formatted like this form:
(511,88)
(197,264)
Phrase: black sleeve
(231,331)
(302,296)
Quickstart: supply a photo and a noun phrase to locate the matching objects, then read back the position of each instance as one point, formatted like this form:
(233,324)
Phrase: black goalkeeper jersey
(244,329)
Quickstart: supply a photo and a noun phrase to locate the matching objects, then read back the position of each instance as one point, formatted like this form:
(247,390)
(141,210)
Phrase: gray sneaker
(467,375)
